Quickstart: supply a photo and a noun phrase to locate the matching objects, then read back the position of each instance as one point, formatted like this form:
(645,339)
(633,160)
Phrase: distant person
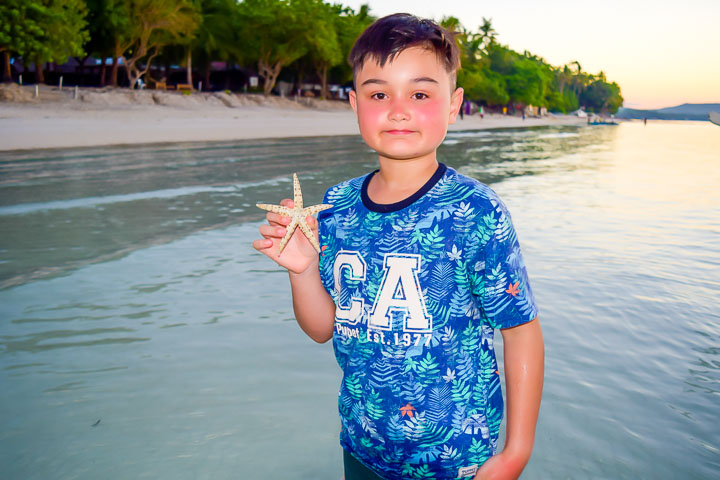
(419,266)
(645,121)
(462,115)
(482,112)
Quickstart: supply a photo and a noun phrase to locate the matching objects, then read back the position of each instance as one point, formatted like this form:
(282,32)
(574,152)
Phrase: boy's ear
(353,100)
(456,101)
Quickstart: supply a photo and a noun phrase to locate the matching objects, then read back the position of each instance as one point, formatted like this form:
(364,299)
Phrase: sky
(662,53)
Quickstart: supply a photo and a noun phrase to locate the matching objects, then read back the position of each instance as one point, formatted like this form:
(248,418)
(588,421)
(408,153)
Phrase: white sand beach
(93,117)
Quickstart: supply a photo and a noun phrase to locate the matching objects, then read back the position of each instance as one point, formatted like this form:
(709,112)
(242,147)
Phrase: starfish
(298,216)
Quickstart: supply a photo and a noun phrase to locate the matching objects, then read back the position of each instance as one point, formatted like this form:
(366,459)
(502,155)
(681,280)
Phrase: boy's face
(404,108)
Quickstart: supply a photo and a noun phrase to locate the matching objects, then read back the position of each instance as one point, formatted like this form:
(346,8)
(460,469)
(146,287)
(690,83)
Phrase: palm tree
(487,32)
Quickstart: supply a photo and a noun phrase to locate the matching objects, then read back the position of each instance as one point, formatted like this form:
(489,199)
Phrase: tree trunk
(133,71)
(130,71)
(322,73)
(7,73)
(189,67)
(114,72)
(103,73)
(39,74)
(270,74)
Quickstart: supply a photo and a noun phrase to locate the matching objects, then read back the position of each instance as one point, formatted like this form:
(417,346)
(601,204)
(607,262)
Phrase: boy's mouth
(400,132)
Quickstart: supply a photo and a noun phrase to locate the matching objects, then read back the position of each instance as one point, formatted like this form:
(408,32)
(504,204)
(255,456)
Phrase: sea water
(142,337)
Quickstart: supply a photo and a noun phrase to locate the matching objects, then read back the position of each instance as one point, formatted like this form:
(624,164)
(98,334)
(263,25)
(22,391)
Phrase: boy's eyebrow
(371,81)
(424,79)
(377,81)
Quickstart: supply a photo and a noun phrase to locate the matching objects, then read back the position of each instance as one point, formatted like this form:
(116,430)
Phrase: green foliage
(494,74)
(274,34)
(43,30)
(306,36)
(484,85)
(105,22)
(20,25)
(601,96)
(217,37)
(152,25)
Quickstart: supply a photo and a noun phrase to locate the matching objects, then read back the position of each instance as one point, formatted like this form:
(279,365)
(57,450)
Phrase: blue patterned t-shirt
(419,288)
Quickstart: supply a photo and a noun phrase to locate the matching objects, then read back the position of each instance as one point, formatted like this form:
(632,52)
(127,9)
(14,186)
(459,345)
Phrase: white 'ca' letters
(399,295)
(357,266)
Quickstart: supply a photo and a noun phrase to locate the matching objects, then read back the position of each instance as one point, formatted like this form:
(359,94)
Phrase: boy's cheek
(433,108)
(370,116)
(432,115)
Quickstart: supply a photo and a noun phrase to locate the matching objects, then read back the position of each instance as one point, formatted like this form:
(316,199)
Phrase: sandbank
(95,117)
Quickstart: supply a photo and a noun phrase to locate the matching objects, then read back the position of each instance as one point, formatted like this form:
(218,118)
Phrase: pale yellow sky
(662,53)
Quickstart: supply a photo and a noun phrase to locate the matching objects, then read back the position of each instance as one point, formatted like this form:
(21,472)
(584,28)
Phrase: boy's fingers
(268,231)
(262,244)
(276,218)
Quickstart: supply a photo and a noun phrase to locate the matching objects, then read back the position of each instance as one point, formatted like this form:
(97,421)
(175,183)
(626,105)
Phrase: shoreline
(110,117)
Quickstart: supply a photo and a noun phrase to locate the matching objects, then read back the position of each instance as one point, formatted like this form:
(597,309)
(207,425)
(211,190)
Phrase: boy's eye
(379,96)
(419,96)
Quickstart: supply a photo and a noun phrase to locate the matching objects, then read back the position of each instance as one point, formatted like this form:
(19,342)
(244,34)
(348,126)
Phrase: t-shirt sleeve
(501,286)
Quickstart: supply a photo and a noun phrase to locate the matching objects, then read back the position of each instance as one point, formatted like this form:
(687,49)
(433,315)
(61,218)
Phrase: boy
(419,266)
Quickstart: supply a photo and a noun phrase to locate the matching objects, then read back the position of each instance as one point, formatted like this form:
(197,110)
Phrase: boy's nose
(398,111)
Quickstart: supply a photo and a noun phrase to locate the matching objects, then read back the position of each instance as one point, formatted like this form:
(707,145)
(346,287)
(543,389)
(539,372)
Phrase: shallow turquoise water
(130,295)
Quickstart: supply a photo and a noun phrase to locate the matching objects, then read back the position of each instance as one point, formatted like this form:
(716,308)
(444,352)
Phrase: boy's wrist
(312,268)
(517,456)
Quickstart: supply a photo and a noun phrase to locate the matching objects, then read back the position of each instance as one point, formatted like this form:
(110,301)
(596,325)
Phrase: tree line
(295,39)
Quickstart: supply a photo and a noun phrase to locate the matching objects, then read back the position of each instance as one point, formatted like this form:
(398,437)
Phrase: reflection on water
(141,334)
(83,206)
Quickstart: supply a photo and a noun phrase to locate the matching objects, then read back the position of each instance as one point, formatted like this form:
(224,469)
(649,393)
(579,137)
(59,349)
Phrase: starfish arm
(316,208)
(298,216)
(297,196)
(309,234)
(275,208)
(290,230)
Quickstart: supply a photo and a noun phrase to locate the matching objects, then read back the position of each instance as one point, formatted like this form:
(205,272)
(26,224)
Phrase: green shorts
(355,470)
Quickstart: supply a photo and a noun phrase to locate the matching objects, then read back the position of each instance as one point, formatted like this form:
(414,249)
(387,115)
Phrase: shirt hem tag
(467,471)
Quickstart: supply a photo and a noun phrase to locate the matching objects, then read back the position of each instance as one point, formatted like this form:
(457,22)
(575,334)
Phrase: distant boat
(714,117)
(602,122)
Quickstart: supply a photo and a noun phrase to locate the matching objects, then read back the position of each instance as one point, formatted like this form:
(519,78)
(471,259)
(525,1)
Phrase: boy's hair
(389,36)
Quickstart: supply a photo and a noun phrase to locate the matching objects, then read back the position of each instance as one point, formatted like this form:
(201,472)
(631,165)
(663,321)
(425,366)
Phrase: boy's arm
(313,306)
(524,353)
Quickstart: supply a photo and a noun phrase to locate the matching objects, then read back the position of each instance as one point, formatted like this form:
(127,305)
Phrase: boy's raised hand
(298,254)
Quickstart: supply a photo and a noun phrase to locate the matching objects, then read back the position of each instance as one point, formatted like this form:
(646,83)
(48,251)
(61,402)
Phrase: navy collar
(394,207)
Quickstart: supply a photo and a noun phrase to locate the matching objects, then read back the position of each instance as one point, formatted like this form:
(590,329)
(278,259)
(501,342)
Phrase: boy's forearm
(313,306)
(524,354)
